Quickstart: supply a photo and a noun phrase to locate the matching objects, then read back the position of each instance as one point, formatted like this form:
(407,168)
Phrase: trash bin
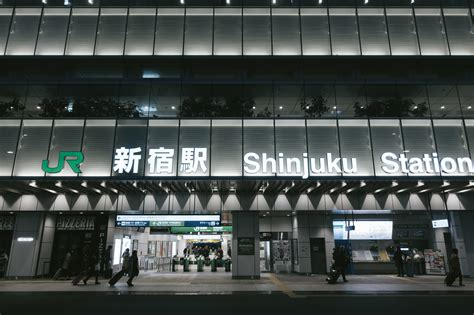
(227,264)
(213,265)
(200,265)
(186,265)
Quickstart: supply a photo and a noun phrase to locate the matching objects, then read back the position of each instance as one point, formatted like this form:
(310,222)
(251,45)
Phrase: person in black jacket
(398,259)
(133,268)
(340,261)
(455,267)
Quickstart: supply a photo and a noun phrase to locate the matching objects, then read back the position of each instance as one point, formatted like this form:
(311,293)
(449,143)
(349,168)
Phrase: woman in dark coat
(133,268)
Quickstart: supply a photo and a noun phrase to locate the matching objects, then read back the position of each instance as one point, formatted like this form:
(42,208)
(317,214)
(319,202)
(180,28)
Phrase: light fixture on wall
(320,1)
(44,1)
(25,239)
(67,2)
(90,1)
(181,1)
(227,1)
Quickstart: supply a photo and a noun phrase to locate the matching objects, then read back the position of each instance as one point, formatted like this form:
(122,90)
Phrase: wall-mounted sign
(168,220)
(246,148)
(200,229)
(7,223)
(437,224)
(75,223)
(246,246)
(73,158)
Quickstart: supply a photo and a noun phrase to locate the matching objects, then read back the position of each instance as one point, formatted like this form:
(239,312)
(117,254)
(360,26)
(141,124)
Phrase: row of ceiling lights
(228,2)
(233,187)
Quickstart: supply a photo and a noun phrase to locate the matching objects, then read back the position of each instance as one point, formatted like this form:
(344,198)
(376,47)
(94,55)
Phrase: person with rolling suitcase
(454,269)
(86,265)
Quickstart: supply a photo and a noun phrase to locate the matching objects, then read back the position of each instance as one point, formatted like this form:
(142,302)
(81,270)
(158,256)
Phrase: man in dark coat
(133,268)
(455,267)
(340,261)
(398,259)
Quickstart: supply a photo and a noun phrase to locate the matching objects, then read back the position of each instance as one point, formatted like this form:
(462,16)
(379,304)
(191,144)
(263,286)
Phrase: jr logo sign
(73,158)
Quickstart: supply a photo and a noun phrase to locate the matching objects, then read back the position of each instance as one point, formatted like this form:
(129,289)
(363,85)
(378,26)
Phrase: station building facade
(302,125)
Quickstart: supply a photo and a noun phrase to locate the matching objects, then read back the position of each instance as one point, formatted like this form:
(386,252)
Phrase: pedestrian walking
(340,262)
(126,260)
(398,259)
(107,262)
(133,270)
(64,269)
(93,270)
(85,267)
(125,268)
(454,269)
(3,263)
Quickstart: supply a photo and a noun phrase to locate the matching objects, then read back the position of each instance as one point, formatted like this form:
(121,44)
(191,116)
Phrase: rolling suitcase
(449,280)
(116,277)
(333,275)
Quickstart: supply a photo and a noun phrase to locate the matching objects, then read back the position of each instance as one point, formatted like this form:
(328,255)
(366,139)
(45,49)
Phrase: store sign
(245,246)
(73,158)
(7,223)
(168,220)
(253,148)
(200,229)
(75,223)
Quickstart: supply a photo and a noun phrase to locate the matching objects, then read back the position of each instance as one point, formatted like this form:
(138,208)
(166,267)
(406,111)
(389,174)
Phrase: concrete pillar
(47,240)
(25,245)
(245,245)
(463,239)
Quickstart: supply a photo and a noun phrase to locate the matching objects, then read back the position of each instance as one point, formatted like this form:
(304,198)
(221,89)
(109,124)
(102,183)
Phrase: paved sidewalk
(222,283)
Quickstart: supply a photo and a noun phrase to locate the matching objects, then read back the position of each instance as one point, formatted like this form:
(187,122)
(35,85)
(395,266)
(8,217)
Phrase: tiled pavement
(222,283)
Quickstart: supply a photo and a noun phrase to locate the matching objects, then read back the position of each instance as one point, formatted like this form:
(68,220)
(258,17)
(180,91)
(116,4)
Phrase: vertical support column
(463,236)
(245,245)
(25,245)
(46,249)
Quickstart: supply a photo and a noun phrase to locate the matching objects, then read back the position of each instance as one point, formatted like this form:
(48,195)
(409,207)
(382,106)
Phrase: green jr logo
(73,158)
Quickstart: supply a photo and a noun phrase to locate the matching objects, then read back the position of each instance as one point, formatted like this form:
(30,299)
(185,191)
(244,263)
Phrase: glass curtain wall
(251,31)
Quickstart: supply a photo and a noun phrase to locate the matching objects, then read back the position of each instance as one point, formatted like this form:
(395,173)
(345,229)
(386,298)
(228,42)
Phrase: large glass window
(373,31)
(323,143)
(257,32)
(24,31)
(163,136)
(82,31)
(460,30)
(41,101)
(66,136)
(402,31)
(386,137)
(198,32)
(432,33)
(111,33)
(53,31)
(289,100)
(165,100)
(351,101)
(419,139)
(291,144)
(228,31)
(194,143)
(469,123)
(466,96)
(315,32)
(130,139)
(260,97)
(98,146)
(451,144)
(286,32)
(226,155)
(355,144)
(9,131)
(140,31)
(344,32)
(32,147)
(169,31)
(5,20)
(259,138)
(444,101)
